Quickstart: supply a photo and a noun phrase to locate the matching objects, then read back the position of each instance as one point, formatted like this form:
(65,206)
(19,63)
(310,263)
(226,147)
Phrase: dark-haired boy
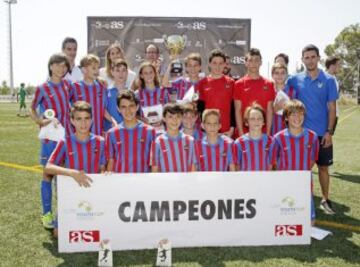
(216,90)
(173,151)
(253,88)
(53,95)
(128,144)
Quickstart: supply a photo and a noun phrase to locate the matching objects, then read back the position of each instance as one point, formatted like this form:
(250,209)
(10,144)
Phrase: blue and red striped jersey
(87,156)
(181,85)
(214,157)
(148,98)
(54,96)
(290,152)
(252,154)
(173,154)
(130,147)
(95,95)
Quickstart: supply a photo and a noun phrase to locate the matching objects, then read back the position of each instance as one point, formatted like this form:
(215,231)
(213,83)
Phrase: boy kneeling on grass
(81,153)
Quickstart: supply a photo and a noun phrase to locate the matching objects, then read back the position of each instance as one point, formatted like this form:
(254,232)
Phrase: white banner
(200,209)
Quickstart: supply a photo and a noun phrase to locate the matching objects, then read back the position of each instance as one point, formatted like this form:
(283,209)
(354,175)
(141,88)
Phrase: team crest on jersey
(265,88)
(96,150)
(227,86)
(186,147)
(224,154)
(320,85)
(142,140)
(71,153)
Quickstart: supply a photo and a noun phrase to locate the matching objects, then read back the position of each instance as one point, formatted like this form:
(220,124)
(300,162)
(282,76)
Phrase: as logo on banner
(288,230)
(82,236)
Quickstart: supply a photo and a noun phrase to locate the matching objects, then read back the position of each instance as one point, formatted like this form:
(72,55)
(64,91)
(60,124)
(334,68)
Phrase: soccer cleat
(48,220)
(326,206)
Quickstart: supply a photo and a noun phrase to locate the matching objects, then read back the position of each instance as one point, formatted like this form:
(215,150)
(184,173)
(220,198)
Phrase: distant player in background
(128,144)
(53,94)
(21,95)
(173,151)
(252,150)
(214,150)
(69,48)
(93,92)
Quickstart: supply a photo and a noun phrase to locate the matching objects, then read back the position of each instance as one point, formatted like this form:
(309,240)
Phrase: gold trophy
(175,44)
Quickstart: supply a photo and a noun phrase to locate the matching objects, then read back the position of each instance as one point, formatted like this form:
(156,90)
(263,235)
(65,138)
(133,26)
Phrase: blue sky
(39,26)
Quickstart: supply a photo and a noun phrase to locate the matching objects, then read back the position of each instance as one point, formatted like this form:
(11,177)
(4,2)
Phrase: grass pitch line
(347,109)
(353,228)
(20,167)
(347,116)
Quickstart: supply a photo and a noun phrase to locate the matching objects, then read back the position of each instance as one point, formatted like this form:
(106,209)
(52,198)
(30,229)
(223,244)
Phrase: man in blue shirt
(317,90)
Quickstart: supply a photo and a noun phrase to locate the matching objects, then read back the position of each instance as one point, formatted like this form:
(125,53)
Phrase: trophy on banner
(175,44)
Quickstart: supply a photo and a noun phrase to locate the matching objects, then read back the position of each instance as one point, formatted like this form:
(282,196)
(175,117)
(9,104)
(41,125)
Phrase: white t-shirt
(75,75)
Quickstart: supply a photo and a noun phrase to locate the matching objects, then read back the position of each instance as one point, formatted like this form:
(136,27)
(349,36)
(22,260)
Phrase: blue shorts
(47,147)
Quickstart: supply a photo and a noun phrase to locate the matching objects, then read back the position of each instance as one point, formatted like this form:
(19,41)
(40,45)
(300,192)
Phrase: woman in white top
(112,53)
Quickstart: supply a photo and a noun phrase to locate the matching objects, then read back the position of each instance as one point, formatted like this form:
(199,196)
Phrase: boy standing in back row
(53,94)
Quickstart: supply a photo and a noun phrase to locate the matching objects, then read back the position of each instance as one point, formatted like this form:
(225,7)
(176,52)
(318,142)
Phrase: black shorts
(325,157)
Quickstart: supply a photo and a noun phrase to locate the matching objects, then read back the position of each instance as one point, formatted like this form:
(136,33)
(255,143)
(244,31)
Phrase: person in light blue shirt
(318,91)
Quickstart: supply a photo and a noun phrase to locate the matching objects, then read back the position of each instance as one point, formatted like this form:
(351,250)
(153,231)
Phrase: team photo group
(159,117)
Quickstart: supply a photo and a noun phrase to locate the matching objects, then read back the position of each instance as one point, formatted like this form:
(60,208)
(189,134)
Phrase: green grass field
(23,241)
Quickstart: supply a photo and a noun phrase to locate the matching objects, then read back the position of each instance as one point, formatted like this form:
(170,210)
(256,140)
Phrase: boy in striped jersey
(173,151)
(189,122)
(279,74)
(81,152)
(52,94)
(296,147)
(252,150)
(93,92)
(128,144)
(214,151)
